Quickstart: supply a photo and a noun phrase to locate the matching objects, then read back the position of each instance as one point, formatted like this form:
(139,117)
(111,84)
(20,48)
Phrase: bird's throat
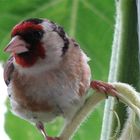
(28,59)
(25,59)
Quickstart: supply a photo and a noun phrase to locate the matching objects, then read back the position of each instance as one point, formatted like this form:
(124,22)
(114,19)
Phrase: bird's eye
(37,35)
(40,33)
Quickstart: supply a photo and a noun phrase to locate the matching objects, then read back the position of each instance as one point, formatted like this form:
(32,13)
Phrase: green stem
(124,62)
(71,127)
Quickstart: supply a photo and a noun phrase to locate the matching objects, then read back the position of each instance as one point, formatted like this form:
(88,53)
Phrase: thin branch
(88,107)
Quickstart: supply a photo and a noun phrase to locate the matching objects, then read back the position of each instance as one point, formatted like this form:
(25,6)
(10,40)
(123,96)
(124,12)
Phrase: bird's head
(37,43)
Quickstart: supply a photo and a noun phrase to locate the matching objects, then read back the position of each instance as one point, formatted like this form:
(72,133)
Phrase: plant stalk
(124,65)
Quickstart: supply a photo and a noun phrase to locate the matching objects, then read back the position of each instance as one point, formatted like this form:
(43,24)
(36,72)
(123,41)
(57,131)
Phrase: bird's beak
(17,45)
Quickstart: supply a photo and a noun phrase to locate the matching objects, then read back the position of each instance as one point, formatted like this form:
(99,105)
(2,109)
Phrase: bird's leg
(41,128)
(104,87)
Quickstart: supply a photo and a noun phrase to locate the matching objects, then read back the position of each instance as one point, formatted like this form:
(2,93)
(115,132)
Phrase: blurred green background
(91,23)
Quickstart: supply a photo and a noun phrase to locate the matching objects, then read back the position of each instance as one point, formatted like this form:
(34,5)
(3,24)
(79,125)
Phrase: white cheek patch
(53,45)
(47,26)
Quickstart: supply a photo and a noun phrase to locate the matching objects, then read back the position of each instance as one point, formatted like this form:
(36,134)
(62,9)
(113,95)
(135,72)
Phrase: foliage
(124,68)
(91,23)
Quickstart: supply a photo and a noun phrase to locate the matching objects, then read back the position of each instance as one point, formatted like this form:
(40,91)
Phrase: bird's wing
(8,70)
(85,75)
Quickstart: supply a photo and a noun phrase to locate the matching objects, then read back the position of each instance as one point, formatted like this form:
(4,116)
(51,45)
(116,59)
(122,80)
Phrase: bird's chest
(45,92)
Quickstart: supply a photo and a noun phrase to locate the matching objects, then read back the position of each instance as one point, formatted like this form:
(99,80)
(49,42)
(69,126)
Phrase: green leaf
(125,59)
(91,23)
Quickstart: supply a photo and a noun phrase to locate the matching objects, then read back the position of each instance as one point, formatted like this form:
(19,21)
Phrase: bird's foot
(52,138)
(41,128)
(105,88)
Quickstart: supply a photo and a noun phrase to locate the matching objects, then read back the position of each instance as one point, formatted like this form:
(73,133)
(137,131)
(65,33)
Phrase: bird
(47,74)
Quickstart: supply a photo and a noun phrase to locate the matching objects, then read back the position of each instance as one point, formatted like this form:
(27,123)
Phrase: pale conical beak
(17,45)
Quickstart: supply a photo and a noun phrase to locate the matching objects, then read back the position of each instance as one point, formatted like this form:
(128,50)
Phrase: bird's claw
(105,88)
(53,138)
